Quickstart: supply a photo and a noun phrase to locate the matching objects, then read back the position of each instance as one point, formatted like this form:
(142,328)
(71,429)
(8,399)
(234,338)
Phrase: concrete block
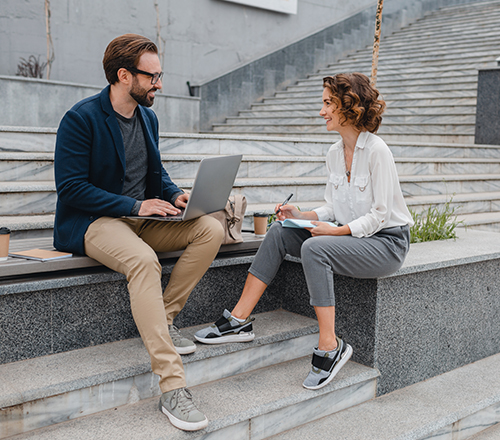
(488,107)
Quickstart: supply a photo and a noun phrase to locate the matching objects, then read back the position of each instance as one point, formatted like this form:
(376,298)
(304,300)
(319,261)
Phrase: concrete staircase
(109,392)
(248,391)
(427,75)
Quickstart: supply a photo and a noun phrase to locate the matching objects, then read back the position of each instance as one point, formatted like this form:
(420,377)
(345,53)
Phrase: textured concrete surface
(492,433)
(268,399)
(37,378)
(454,405)
(52,389)
(411,325)
(488,110)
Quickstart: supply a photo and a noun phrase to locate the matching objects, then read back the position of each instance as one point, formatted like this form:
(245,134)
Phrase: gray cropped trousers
(369,257)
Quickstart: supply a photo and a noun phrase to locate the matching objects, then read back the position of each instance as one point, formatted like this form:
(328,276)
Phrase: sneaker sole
(185,350)
(181,424)
(343,359)
(240,337)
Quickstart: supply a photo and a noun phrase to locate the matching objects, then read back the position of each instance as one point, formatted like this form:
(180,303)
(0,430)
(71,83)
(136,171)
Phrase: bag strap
(232,220)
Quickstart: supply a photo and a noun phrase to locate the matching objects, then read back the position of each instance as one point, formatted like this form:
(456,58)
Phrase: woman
(363,196)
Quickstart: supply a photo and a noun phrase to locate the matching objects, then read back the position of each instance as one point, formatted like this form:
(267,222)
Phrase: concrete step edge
(40,378)
(269,396)
(419,411)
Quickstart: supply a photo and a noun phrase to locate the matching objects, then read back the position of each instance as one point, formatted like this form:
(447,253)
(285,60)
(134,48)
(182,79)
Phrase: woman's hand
(286,211)
(323,228)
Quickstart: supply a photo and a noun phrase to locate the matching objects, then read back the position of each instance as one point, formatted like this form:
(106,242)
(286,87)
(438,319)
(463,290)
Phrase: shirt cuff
(323,214)
(174,197)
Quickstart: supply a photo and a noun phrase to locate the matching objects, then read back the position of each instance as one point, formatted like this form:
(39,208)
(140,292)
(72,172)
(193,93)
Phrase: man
(107,165)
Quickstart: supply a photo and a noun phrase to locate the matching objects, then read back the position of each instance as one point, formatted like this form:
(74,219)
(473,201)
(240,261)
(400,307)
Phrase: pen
(285,202)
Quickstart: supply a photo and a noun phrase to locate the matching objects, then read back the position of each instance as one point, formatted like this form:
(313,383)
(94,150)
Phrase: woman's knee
(312,249)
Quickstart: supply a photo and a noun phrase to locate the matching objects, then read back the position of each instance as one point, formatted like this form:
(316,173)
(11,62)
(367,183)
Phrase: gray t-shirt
(136,159)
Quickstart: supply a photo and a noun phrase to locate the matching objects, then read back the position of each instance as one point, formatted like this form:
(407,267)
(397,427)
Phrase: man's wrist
(136,208)
(174,198)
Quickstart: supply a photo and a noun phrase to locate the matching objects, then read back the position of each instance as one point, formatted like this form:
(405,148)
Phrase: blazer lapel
(113,126)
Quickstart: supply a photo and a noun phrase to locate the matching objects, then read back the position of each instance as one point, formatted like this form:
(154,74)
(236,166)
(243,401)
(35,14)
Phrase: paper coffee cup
(4,243)
(260,224)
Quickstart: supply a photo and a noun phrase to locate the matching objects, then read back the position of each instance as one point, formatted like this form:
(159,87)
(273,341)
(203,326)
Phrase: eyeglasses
(155,77)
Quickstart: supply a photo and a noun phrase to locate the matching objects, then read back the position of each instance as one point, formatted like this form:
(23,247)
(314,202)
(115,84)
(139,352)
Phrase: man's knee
(146,260)
(210,227)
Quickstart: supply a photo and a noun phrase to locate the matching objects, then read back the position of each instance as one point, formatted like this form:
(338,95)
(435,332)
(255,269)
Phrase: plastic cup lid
(4,231)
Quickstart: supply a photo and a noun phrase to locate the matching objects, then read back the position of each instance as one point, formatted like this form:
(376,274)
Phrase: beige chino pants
(128,246)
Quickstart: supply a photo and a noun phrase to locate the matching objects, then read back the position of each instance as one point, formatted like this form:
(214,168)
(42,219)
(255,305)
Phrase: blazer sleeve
(75,146)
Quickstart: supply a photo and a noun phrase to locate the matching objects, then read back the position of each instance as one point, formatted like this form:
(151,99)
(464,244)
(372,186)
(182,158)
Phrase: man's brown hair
(125,51)
(357,100)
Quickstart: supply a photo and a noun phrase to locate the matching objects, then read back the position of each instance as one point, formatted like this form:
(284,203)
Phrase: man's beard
(140,94)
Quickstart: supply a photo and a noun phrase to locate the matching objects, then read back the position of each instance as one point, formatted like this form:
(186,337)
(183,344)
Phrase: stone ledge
(437,313)
(410,326)
(18,268)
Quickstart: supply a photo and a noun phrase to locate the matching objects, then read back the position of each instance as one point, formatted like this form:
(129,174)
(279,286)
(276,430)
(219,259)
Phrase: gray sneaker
(226,329)
(178,406)
(326,364)
(181,344)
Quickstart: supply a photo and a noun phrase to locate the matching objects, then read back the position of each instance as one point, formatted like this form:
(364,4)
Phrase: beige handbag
(231,218)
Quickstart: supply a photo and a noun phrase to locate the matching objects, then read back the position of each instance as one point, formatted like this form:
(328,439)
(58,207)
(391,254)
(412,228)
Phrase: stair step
(52,389)
(458,77)
(482,221)
(388,120)
(425,44)
(395,76)
(417,70)
(318,127)
(420,185)
(447,406)
(411,104)
(393,86)
(32,226)
(492,433)
(437,98)
(266,402)
(452,63)
(391,112)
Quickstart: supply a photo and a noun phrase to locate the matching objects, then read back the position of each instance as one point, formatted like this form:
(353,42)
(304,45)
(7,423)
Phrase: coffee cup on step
(260,224)
(4,243)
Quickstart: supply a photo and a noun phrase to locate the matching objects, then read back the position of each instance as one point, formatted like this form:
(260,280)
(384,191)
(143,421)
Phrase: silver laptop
(212,186)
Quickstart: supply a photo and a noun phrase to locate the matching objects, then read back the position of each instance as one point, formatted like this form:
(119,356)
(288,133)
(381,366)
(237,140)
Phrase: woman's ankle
(328,345)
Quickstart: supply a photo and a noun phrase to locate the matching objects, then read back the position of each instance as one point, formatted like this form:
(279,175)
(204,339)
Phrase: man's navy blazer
(89,167)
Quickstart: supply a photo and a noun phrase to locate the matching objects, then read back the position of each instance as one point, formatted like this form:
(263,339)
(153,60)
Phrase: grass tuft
(435,223)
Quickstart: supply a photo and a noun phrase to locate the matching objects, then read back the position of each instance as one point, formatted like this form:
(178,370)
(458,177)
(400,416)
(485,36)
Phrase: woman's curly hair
(357,100)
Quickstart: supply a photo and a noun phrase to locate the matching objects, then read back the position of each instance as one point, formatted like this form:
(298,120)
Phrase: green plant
(435,223)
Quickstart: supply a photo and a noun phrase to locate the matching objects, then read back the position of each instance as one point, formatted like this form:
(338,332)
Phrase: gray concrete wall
(201,39)
(30,102)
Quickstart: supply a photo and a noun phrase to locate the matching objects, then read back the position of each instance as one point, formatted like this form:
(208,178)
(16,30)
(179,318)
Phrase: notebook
(212,185)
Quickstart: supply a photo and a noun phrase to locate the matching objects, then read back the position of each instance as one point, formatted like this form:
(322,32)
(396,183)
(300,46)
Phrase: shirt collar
(360,143)
(362,139)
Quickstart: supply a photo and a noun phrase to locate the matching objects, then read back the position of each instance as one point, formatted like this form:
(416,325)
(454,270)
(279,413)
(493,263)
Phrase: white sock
(238,319)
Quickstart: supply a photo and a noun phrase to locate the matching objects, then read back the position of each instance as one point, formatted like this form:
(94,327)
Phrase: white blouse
(373,199)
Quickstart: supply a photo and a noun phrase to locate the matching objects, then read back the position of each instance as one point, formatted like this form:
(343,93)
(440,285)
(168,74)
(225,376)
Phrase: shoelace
(183,400)
(175,334)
